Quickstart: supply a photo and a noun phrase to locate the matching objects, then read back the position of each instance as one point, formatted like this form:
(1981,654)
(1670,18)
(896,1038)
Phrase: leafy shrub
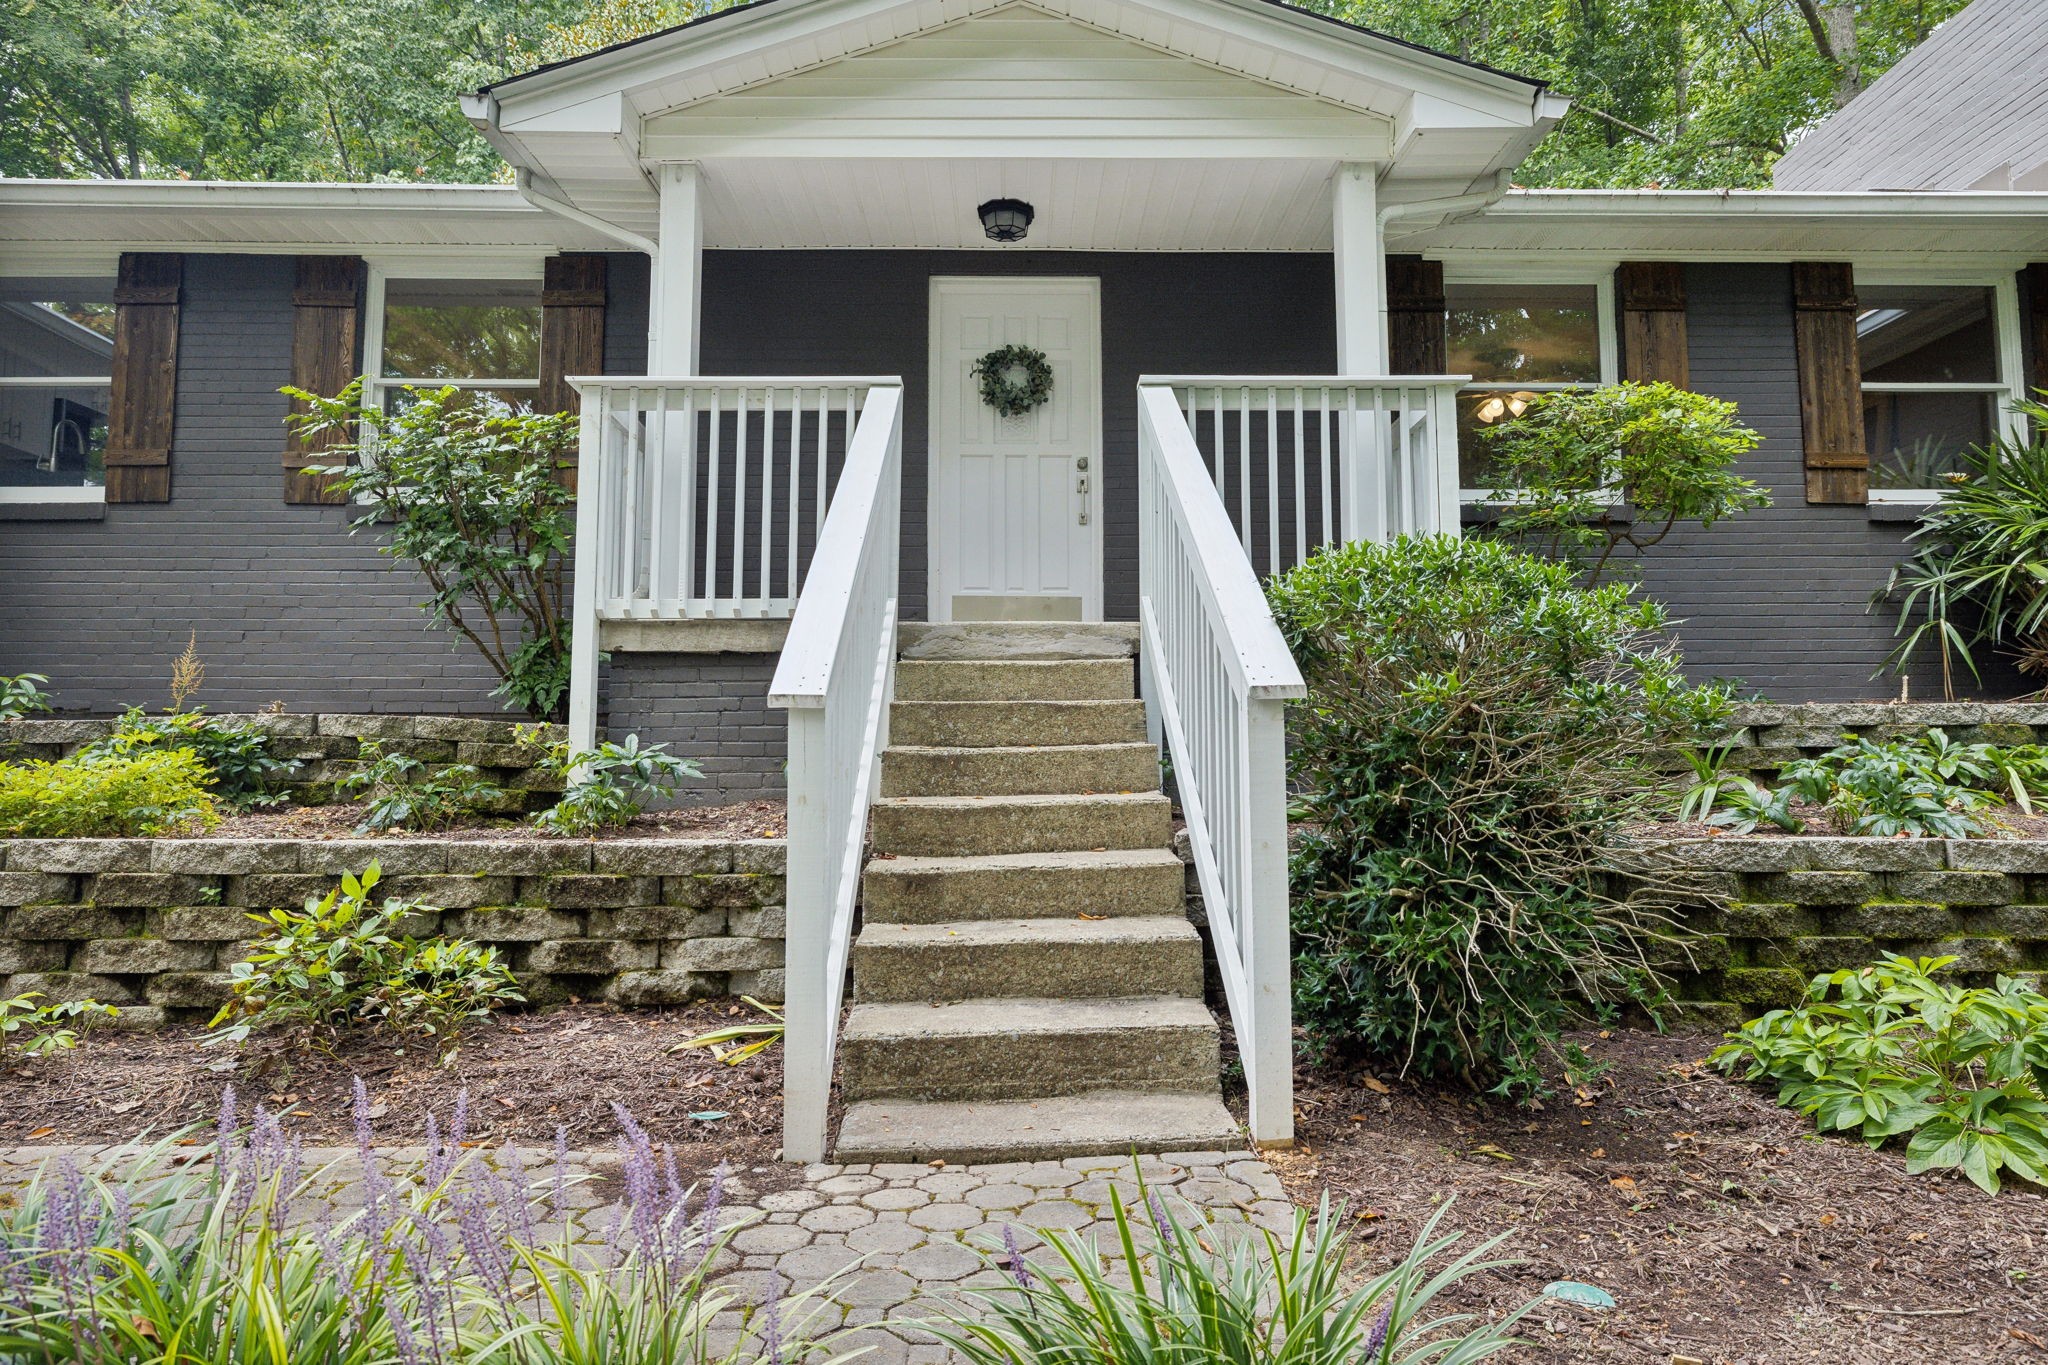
(109,795)
(609,785)
(237,755)
(410,793)
(1258,1300)
(22,695)
(1561,466)
(53,1027)
(339,963)
(468,490)
(1477,738)
(1888,1051)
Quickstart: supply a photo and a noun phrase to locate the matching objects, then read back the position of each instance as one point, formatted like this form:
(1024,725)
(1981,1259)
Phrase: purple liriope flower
(224,1126)
(771,1329)
(359,1110)
(1159,1219)
(559,1194)
(1013,1259)
(332,1261)
(714,1199)
(1378,1336)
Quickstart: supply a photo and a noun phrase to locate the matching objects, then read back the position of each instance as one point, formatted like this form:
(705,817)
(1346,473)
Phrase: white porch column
(675,312)
(1361,343)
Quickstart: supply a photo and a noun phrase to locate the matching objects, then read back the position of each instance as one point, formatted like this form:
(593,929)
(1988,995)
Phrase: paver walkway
(900,1237)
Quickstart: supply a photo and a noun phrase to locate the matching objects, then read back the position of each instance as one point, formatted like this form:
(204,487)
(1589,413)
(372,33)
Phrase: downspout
(522,180)
(1462,206)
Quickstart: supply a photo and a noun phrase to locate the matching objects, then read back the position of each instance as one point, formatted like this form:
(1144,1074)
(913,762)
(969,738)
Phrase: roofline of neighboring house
(1992,204)
(429,195)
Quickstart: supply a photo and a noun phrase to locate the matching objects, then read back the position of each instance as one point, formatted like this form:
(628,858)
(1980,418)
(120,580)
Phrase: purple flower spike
(1159,1218)
(771,1330)
(1014,1259)
(1378,1337)
(224,1127)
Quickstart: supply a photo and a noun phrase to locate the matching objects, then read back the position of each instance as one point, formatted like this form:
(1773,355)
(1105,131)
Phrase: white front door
(1016,502)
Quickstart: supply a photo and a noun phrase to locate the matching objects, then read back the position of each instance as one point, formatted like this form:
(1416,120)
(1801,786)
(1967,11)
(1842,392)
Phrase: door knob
(1080,462)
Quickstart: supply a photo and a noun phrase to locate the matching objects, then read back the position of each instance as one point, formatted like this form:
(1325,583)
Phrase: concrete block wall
(1768,736)
(152,925)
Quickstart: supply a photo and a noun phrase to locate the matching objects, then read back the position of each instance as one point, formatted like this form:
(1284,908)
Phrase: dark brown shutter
(1651,298)
(145,382)
(1416,342)
(327,310)
(2034,284)
(1830,382)
(571,333)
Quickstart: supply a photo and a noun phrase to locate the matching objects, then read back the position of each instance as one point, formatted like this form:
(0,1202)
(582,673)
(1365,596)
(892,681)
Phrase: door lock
(1080,462)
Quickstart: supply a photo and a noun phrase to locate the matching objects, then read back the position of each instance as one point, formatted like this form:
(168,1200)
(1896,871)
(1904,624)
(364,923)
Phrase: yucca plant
(737,1042)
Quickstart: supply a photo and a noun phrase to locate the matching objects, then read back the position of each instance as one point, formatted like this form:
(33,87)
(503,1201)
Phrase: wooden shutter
(1651,298)
(145,381)
(327,310)
(1830,382)
(571,333)
(1416,341)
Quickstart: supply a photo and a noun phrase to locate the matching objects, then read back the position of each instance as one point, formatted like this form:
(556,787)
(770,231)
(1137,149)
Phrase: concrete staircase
(1026,983)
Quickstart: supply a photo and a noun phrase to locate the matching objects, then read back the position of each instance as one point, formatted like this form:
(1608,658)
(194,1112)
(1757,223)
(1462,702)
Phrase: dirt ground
(1726,1229)
(743,820)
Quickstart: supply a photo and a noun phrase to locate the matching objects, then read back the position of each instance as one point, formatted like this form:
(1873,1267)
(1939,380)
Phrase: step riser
(956,832)
(1017,640)
(981,725)
(1062,680)
(1114,1123)
(1020,772)
(1071,971)
(1068,1062)
(978,893)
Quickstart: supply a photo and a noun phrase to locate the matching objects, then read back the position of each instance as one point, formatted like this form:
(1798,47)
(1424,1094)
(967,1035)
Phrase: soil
(744,820)
(525,1074)
(1728,1230)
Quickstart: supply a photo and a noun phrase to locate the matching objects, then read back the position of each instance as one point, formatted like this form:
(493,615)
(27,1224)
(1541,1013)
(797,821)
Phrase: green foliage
(22,695)
(468,491)
(237,755)
(1264,1299)
(47,1028)
(1887,1051)
(1476,741)
(608,785)
(1977,579)
(409,793)
(341,963)
(110,795)
(1670,453)
(737,1042)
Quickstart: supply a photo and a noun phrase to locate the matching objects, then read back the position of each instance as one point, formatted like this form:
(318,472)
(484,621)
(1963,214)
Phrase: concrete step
(1072,959)
(1020,1049)
(1108,1123)
(966,826)
(1014,680)
(992,724)
(1019,770)
(1144,881)
(1018,640)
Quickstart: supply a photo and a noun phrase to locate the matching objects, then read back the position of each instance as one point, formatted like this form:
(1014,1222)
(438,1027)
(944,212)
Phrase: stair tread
(1060,799)
(1107,1122)
(1023,1016)
(916,865)
(977,750)
(968,934)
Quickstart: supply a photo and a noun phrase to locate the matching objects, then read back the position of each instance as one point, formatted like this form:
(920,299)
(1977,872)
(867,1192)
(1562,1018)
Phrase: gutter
(1462,206)
(522,180)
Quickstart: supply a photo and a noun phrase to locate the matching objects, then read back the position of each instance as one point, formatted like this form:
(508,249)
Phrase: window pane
(1915,438)
(462,329)
(1547,333)
(516,400)
(1926,335)
(54,436)
(1477,411)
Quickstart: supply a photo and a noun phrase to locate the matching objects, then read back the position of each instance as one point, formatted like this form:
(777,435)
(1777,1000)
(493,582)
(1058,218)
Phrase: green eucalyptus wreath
(1014,397)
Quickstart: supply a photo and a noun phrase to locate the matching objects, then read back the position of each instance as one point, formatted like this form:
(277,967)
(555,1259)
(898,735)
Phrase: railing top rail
(585,382)
(1263,661)
(808,654)
(1309,381)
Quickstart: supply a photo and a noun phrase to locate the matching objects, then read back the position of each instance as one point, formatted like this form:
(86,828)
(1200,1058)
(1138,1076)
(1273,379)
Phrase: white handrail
(835,678)
(1217,676)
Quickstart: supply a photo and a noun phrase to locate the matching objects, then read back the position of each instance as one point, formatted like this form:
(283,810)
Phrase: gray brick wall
(709,707)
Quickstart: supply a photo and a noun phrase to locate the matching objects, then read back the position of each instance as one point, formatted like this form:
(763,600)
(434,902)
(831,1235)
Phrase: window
(1933,381)
(480,335)
(56,368)
(1517,340)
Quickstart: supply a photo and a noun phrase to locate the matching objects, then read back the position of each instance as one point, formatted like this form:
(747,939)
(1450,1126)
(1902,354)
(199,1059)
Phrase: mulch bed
(1726,1229)
(742,820)
(526,1075)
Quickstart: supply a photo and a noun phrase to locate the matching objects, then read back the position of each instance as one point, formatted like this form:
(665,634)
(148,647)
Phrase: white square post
(676,314)
(1361,277)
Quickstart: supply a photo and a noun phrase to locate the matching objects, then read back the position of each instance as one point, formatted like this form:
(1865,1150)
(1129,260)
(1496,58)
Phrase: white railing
(1217,677)
(1307,461)
(835,678)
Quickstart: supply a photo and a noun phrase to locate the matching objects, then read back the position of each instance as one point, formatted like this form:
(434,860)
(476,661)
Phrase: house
(1274,267)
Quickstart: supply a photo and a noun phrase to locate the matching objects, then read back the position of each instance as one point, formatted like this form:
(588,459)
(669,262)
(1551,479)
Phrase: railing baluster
(744,404)
(1300,487)
(1272,482)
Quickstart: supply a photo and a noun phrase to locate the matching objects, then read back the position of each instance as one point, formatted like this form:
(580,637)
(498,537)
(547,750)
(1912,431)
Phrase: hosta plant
(1889,1051)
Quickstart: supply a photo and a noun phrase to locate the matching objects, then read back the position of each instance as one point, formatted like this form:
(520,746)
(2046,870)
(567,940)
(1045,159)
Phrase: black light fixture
(1006,220)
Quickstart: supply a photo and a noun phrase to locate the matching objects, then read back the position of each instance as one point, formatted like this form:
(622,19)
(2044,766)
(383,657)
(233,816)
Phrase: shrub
(109,795)
(237,755)
(468,490)
(1260,1299)
(48,1028)
(1478,737)
(1887,1051)
(22,695)
(1563,463)
(609,785)
(339,964)
(409,793)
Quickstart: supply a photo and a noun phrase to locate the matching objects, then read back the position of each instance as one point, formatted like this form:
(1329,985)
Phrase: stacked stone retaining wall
(1767,736)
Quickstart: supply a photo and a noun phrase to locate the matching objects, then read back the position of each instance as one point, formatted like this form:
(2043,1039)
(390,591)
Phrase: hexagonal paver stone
(836,1218)
(755,1286)
(899,1170)
(1001,1197)
(1209,1189)
(876,1288)
(896,1199)
(770,1238)
(886,1238)
(1048,1176)
(1053,1213)
(816,1263)
(792,1201)
(941,1261)
(950,1184)
(945,1217)
(850,1184)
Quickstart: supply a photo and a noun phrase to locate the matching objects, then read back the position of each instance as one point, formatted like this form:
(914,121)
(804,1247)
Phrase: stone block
(519,857)
(145,890)
(542,991)
(1833,952)
(1736,855)
(1766,987)
(512,924)
(1818,888)
(66,922)
(591,957)
(656,922)
(770,856)
(78,855)
(394,857)
(36,888)
(1956,888)
(1718,1016)
(140,956)
(1978,954)
(64,987)
(224,857)
(276,724)
(496,755)
(644,989)
(189,990)
(588,891)
(64,732)
(451,891)
(770,921)
(1768,919)
(2022,923)
(201,923)
(24,955)
(136,1019)
(366,727)
(1828,853)
(470,729)
(2017,856)
(662,857)
(1912,920)
(276,890)
(767,985)
(723,954)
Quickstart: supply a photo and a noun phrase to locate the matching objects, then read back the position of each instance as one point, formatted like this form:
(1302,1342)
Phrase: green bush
(409,793)
(1886,1051)
(22,695)
(339,963)
(608,785)
(1478,738)
(47,1028)
(107,795)
(237,755)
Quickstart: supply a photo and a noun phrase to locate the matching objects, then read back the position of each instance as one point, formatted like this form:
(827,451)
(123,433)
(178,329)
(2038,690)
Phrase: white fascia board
(605,114)
(187,195)
(1979,205)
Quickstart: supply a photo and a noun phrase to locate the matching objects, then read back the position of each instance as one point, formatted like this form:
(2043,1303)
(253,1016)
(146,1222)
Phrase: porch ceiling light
(1006,220)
